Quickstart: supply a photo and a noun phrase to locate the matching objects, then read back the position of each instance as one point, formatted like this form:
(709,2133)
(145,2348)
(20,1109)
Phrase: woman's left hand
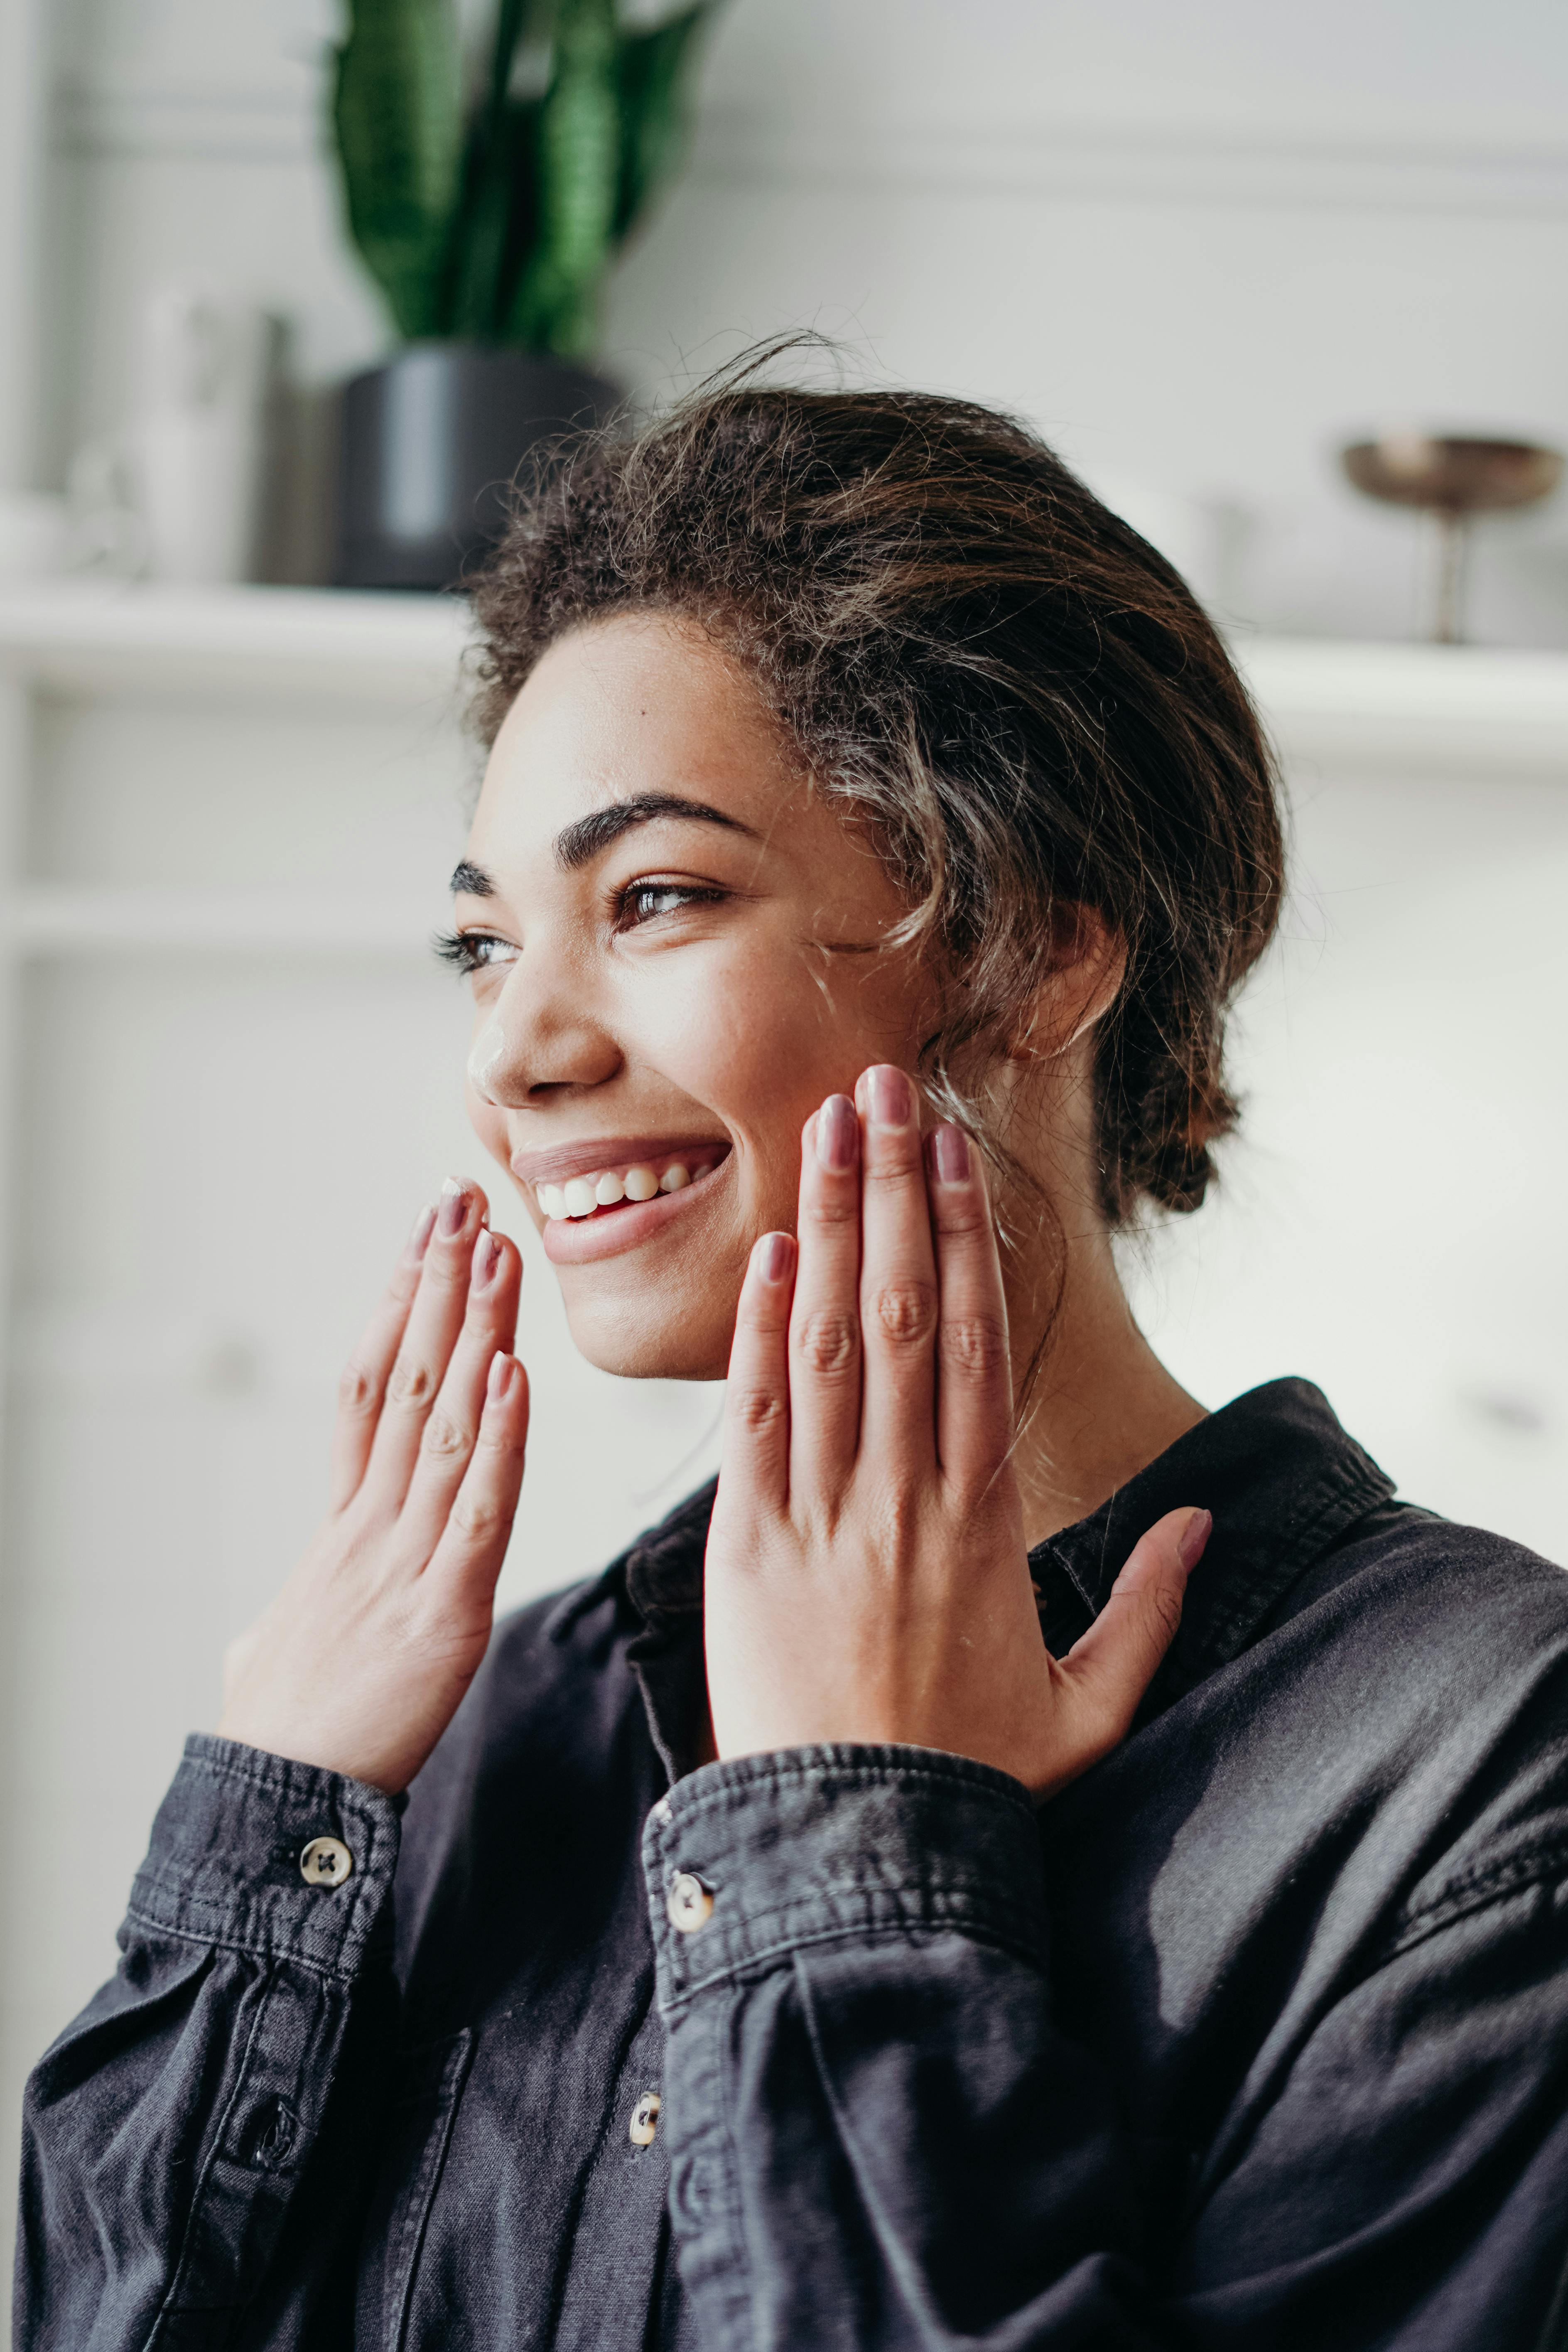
(867,1574)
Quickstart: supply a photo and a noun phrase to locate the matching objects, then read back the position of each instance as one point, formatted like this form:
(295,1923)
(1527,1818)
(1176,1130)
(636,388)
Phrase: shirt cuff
(749,1861)
(260,1854)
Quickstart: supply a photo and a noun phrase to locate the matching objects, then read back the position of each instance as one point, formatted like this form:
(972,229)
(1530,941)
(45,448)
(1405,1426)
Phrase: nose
(539,1040)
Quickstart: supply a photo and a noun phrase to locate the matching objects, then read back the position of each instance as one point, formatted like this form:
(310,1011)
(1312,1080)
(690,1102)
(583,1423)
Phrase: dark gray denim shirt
(1257,2035)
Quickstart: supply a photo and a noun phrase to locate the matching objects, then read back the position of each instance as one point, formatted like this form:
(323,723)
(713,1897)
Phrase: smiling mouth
(601,1192)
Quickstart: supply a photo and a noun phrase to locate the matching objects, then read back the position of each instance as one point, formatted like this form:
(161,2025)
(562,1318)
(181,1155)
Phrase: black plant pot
(431,443)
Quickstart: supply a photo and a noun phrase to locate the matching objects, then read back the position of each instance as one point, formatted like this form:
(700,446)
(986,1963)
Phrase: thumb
(1113,1664)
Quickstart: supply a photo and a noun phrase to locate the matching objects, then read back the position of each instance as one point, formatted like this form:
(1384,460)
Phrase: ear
(1081,982)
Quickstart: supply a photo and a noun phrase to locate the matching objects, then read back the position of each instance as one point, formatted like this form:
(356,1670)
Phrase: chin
(649,1339)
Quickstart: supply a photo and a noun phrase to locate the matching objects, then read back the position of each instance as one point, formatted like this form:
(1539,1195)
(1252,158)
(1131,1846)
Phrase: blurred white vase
(175,494)
(200,436)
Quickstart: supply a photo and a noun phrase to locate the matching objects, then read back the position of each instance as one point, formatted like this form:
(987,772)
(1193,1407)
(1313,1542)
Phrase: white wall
(1201,245)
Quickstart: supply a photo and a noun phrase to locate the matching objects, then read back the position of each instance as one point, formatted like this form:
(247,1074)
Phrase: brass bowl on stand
(1454,478)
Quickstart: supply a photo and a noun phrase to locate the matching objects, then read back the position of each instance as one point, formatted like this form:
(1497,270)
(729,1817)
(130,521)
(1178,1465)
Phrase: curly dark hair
(976,658)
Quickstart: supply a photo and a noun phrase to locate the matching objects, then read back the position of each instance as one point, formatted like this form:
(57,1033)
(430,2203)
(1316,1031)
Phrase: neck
(1102,1405)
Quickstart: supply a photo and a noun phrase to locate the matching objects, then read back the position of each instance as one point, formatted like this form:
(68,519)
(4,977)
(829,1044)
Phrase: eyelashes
(640,903)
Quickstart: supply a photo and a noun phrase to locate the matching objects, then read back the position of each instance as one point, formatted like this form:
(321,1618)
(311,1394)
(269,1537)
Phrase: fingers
(425,1349)
(362,1387)
(452,1427)
(1110,1668)
(974,1374)
(757,1399)
(898,1278)
(479,1525)
(825,1352)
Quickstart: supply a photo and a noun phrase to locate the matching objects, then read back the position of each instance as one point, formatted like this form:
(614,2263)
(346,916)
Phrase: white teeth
(581,1195)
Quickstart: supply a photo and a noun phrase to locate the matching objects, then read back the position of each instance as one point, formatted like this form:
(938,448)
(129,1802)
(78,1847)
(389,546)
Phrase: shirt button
(645,2120)
(689,1904)
(326,1861)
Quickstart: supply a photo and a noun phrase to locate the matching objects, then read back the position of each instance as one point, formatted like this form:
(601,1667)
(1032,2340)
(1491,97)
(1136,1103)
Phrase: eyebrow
(575,845)
(578,843)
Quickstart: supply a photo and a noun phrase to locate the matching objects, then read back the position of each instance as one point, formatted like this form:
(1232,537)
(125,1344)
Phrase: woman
(880,1910)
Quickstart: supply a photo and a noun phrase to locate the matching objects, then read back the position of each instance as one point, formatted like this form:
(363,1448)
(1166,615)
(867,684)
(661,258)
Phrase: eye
(644,902)
(472,951)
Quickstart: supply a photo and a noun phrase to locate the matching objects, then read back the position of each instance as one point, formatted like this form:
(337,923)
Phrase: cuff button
(326,1861)
(688,1905)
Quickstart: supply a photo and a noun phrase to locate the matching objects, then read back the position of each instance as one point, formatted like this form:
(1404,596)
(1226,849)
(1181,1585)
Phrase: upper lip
(596,1153)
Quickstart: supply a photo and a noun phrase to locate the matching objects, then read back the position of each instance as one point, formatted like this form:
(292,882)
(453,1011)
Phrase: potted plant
(488,207)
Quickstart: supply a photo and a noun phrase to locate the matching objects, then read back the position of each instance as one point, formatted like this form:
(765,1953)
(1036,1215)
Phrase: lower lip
(574,1241)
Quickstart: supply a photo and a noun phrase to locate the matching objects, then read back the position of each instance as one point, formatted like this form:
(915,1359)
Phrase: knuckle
(828,1341)
(1163,1604)
(444,1437)
(357,1392)
(758,1412)
(481,1517)
(412,1383)
(904,1312)
(976,1344)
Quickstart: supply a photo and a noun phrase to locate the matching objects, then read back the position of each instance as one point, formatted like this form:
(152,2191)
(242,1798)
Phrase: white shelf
(1478,709)
(315,643)
(41,920)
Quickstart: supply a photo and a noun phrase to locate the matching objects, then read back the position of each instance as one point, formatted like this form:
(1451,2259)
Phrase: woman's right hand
(359,1664)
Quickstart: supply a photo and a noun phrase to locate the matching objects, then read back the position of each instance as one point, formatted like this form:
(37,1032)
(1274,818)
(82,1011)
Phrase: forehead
(632,704)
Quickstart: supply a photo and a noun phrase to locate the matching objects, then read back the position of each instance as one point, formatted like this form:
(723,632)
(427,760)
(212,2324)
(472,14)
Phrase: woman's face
(649,906)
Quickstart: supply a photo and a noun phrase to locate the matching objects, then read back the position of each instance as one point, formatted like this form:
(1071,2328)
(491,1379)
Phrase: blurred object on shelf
(432,442)
(488,210)
(35,537)
(1453,477)
(176,493)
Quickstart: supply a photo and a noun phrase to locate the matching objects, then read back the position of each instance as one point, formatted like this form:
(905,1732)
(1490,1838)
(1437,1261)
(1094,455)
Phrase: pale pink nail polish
(837,1133)
(419,1239)
(454,1207)
(499,1381)
(950,1150)
(892,1103)
(774,1255)
(1193,1537)
(487,1259)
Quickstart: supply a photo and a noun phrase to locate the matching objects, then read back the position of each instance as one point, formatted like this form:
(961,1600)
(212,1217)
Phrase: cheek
(762,1035)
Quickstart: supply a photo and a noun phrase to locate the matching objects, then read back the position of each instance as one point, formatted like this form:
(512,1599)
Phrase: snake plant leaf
(578,158)
(653,77)
(397,112)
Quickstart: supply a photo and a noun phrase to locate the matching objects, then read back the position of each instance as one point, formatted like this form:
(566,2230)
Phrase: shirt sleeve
(880,2138)
(223,2079)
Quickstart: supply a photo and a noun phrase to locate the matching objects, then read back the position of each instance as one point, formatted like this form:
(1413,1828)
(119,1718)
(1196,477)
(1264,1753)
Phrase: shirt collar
(1282,1479)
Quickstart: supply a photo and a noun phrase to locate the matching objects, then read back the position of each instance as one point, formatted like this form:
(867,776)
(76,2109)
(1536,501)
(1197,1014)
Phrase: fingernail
(950,1150)
(487,1259)
(1192,1538)
(501,1371)
(454,1207)
(774,1255)
(892,1104)
(419,1239)
(837,1132)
